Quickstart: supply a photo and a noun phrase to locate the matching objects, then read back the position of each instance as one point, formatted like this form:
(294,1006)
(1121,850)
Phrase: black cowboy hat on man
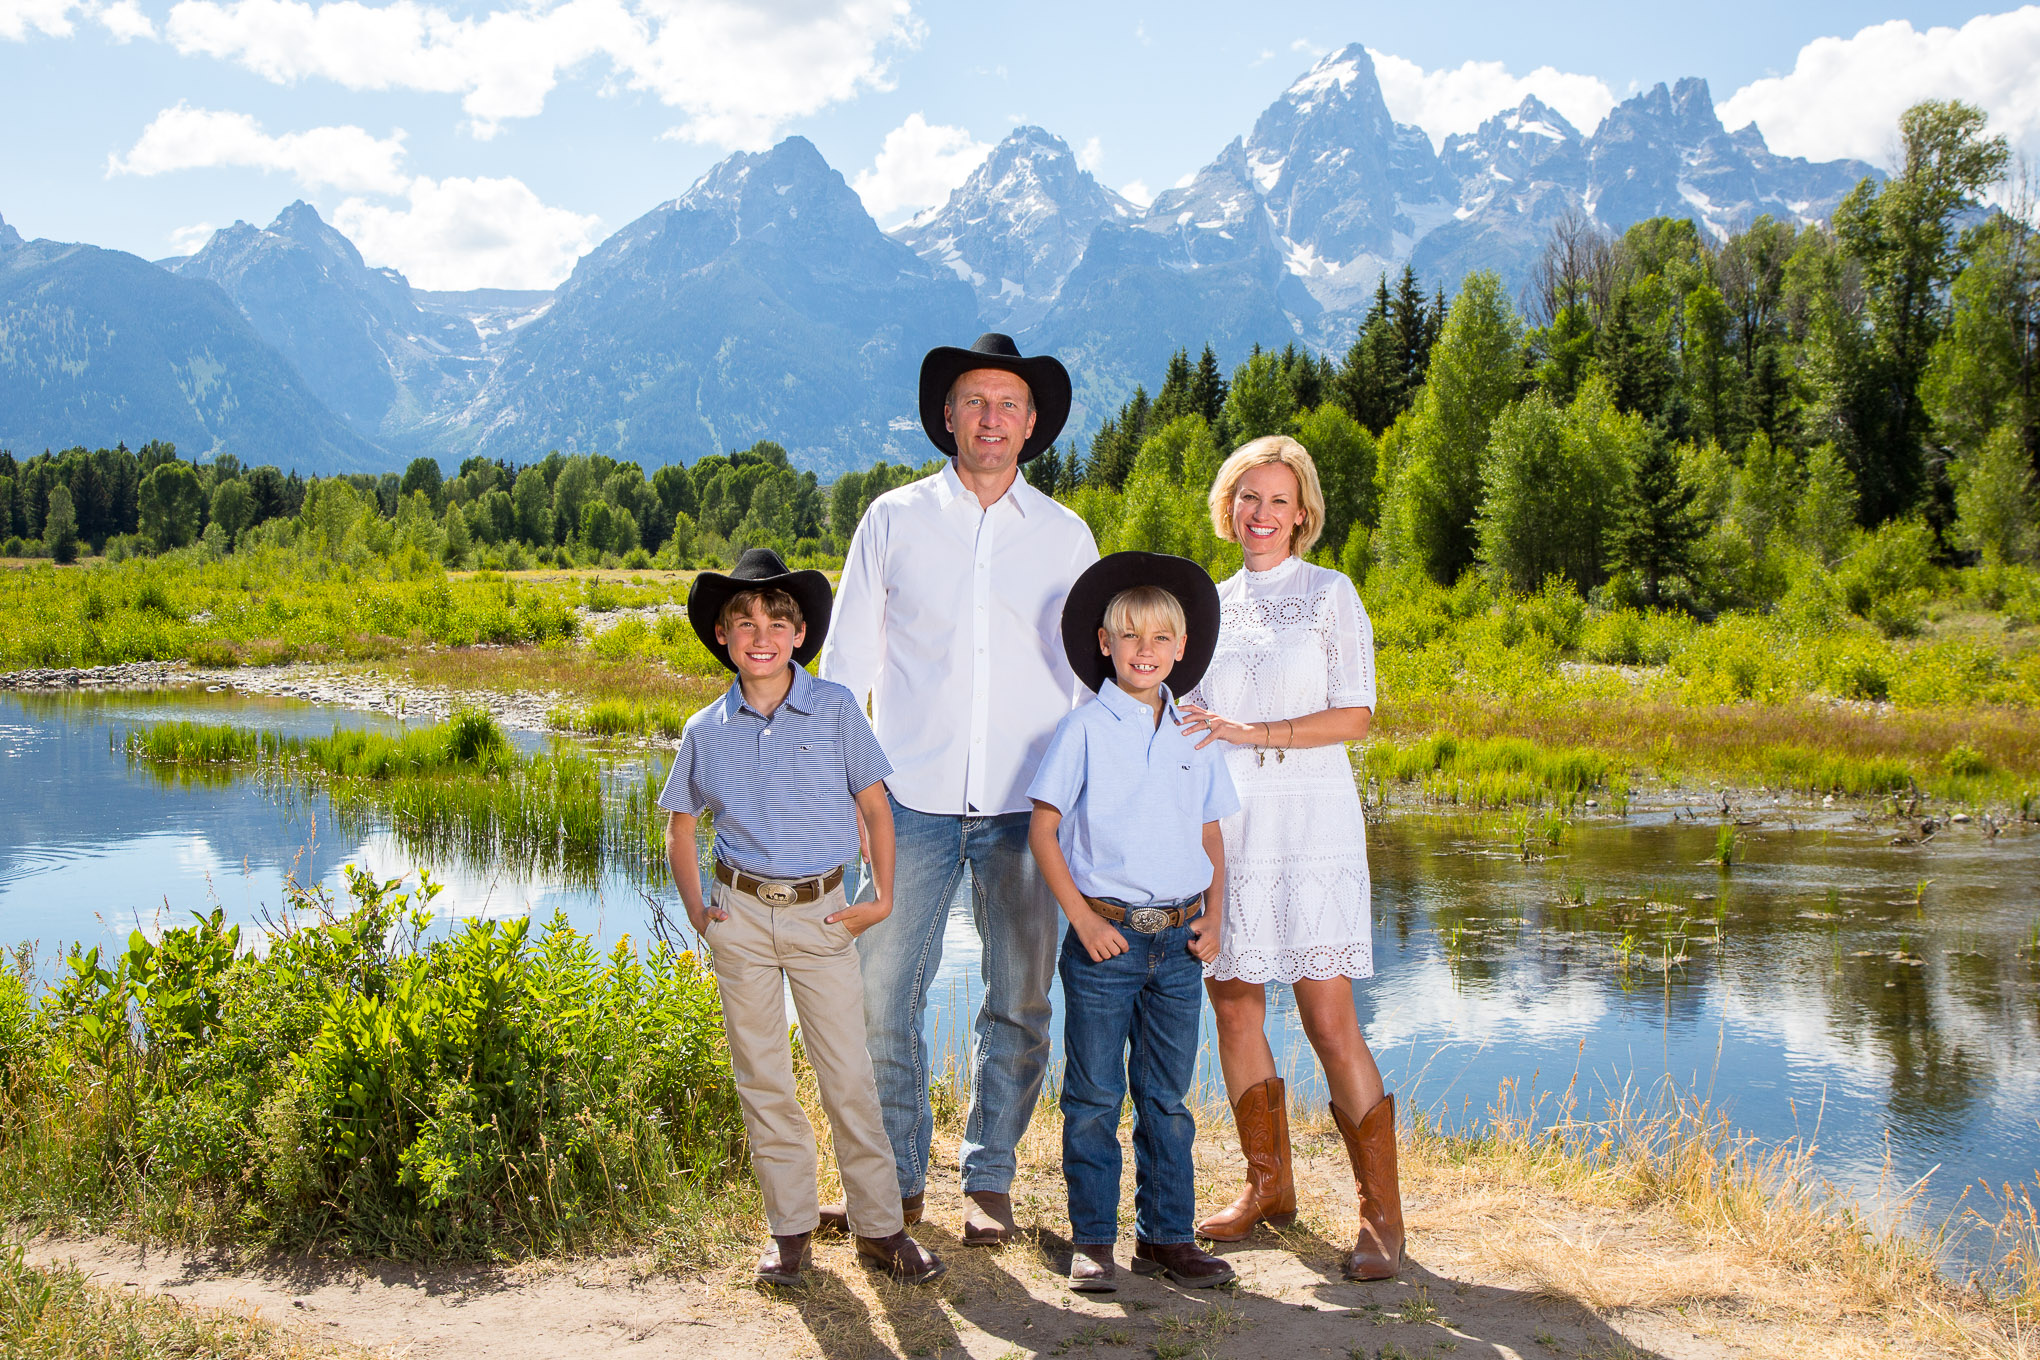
(1046,379)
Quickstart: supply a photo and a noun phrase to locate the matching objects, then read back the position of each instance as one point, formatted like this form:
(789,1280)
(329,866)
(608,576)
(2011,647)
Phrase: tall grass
(1494,772)
(354,1083)
(458,787)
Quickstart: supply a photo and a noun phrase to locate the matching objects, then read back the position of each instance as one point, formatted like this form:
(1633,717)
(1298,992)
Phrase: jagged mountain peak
(1334,77)
(9,237)
(1016,227)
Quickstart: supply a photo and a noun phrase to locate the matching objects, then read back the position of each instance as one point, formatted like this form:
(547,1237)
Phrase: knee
(1331,1036)
(1236,1014)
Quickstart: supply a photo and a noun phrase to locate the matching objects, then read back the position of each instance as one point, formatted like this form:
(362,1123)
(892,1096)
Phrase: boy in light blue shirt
(1126,814)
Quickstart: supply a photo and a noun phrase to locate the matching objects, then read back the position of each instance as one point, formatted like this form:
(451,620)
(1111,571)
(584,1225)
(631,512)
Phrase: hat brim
(1044,375)
(712,590)
(1084,613)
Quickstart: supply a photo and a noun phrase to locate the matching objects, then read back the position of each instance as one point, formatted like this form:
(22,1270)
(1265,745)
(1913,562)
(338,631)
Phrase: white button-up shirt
(950,617)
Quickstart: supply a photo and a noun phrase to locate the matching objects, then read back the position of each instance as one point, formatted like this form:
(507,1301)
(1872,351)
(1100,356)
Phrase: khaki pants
(750,952)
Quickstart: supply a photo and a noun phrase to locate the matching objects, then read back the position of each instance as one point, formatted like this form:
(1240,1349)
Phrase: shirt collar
(799,698)
(1120,704)
(1017,495)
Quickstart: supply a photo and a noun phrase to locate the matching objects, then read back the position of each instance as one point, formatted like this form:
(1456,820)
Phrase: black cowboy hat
(1044,375)
(1084,613)
(760,569)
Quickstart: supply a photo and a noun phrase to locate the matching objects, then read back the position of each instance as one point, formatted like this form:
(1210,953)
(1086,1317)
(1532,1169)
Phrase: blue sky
(473,145)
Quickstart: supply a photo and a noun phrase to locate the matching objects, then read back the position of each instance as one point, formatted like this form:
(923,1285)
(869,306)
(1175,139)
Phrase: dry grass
(569,672)
(1672,738)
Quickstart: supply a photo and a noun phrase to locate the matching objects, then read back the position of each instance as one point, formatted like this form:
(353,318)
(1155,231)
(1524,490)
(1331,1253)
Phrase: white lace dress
(1292,640)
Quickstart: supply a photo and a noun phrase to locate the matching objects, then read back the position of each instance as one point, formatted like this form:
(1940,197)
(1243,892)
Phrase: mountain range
(764,302)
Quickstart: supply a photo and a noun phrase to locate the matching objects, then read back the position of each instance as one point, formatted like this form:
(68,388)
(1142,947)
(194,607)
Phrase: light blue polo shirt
(784,788)
(1134,799)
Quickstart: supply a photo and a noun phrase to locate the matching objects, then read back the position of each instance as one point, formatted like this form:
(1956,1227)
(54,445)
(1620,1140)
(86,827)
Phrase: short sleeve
(1221,799)
(864,759)
(681,792)
(1349,650)
(1059,779)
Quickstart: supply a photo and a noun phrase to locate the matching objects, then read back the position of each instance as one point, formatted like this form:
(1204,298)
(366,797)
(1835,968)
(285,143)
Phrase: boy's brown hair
(777,605)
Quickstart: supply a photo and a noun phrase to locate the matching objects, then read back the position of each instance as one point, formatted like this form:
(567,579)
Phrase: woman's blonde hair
(1273,448)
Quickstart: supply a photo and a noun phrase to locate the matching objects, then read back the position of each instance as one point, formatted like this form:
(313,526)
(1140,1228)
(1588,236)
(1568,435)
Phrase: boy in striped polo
(785,762)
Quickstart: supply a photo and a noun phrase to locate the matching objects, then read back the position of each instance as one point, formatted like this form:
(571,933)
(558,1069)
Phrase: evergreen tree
(1656,529)
(1638,368)
(1259,400)
(533,503)
(1564,352)
(1707,365)
(1432,457)
(1207,388)
(1364,385)
(1176,398)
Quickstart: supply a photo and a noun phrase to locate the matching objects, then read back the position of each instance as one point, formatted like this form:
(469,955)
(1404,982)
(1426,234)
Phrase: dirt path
(1514,1272)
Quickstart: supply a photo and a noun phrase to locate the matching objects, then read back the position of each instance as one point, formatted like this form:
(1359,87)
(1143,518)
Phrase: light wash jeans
(1017,920)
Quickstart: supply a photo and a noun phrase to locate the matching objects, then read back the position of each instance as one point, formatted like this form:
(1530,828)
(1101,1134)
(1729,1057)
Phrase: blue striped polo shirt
(784,788)
(1134,799)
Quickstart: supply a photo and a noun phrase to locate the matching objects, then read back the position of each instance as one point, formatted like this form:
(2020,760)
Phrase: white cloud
(346,158)
(1091,155)
(1844,95)
(1137,193)
(738,71)
(190,240)
(1460,100)
(916,168)
(125,21)
(52,18)
(469,233)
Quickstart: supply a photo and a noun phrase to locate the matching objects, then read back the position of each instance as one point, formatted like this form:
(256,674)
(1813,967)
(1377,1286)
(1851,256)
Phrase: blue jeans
(1150,997)
(1016,918)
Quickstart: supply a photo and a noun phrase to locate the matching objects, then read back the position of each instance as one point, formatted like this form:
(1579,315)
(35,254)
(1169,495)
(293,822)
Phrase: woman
(1292,683)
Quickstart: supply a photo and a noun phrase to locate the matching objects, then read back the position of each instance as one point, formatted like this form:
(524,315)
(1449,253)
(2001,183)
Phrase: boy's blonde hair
(1273,448)
(1144,607)
(777,603)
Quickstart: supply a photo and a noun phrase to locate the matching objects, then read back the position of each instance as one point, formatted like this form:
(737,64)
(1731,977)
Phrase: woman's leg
(1241,1009)
(1325,1006)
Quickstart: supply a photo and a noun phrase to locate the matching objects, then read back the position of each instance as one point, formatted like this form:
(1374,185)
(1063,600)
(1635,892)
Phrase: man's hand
(1100,938)
(861,916)
(1204,936)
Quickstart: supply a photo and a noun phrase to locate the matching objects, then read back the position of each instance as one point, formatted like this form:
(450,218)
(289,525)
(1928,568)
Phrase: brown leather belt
(1148,920)
(780,892)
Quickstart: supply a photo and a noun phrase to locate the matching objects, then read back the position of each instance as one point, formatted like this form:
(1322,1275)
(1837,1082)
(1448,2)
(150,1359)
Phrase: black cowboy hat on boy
(1044,375)
(760,569)
(1084,613)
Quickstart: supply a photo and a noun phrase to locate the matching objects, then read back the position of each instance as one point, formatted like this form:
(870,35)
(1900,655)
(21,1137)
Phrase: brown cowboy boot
(1377,1255)
(1261,1116)
(836,1217)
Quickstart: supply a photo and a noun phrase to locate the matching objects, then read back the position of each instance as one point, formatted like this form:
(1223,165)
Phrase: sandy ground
(1519,1272)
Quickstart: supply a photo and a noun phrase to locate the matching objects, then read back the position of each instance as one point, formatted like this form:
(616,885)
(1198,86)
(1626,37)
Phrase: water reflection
(1877,999)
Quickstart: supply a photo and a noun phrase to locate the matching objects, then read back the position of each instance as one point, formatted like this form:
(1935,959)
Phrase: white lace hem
(1317,962)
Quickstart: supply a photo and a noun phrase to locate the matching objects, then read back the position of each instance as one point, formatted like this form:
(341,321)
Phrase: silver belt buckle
(776,894)
(1148,920)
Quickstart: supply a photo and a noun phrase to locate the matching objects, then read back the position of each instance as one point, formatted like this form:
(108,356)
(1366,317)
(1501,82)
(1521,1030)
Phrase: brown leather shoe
(836,1217)
(1184,1262)
(781,1262)
(1370,1144)
(1261,1116)
(1092,1270)
(988,1219)
(901,1257)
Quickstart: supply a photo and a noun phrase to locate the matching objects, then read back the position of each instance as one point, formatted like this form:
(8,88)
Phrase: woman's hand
(1217,727)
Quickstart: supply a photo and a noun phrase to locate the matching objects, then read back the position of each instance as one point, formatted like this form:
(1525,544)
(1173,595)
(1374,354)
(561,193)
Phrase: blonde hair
(1269,449)
(1142,607)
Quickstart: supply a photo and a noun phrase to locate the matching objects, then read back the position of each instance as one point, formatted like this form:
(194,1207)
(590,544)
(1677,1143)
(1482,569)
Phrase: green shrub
(478,1094)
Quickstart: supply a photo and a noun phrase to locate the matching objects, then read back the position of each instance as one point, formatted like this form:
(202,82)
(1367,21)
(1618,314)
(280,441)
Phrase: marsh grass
(458,787)
(1493,772)
(55,1313)
(357,1083)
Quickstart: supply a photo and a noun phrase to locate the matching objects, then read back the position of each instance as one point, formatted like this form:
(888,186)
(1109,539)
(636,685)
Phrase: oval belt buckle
(1149,920)
(776,894)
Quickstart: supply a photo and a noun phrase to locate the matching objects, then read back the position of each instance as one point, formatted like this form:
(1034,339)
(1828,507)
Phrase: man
(948,615)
